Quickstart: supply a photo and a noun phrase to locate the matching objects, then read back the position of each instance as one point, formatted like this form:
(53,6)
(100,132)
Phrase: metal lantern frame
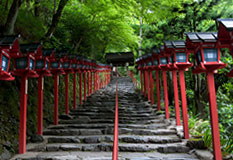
(9,47)
(199,43)
(66,65)
(179,47)
(164,56)
(225,36)
(56,59)
(24,64)
(42,56)
(155,57)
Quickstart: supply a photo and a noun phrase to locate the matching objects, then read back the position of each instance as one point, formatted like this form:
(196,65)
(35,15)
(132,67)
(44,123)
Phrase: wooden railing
(115,143)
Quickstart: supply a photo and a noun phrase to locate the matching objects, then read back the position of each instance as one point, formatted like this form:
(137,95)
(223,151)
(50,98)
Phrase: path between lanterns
(87,133)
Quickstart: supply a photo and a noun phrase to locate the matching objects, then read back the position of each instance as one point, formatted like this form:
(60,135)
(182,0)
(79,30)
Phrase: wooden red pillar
(80,88)
(85,84)
(148,85)
(144,76)
(88,83)
(40,105)
(74,91)
(184,104)
(151,87)
(103,82)
(94,79)
(23,114)
(56,83)
(91,82)
(165,94)
(214,117)
(157,90)
(141,81)
(67,93)
(176,97)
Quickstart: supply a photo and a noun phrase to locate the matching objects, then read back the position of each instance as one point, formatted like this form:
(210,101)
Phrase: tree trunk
(170,89)
(36,8)
(140,37)
(56,18)
(54,6)
(12,16)
(6,5)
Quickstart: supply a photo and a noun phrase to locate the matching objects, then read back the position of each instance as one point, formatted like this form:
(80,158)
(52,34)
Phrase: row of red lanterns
(173,56)
(31,61)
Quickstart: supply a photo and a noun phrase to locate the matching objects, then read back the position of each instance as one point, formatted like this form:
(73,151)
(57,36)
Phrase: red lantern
(225,36)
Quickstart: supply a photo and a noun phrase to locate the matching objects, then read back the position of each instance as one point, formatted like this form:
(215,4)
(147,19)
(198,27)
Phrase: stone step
(110,117)
(109,138)
(78,155)
(123,147)
(106,125)
(107,130)
(94,121)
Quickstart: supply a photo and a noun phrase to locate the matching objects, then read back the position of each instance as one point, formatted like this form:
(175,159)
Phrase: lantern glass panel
(66,65)
(39,64)
(60,65)
(156,62)
(74,65)
(47,65)
(163,60)
(5,61)
(181,57)
(199,57)
(21,63)
(79,66)
(55,64)
(172,60)
(149,63)
(31,64)
(210,54)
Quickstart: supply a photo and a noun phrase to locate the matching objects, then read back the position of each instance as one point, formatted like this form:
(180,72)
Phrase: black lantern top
(206,50)
(225,33)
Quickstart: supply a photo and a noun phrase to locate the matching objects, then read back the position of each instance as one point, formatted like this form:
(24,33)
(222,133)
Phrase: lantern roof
(120,58)
(8,40)
(178,44)
(168,44)
(48,51)
(227,23)
(79,57)
(29,48)
(60,54)
(202,36)
(155,50)
(72,56)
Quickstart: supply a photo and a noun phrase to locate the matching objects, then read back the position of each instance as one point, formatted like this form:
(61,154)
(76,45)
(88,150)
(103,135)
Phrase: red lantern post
(56,69)
(207,53)
(67,69)
(164,60)
(42,69)
(24,66)
(8,45)
(180,56)
(168,47)
(74,67)
(156,67)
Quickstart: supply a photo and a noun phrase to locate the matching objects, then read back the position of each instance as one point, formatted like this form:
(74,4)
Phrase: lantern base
(165,67)
(208,67)
(230,74)
(6,76)
(44,72)
(57,71)
(28,73)
(183,66)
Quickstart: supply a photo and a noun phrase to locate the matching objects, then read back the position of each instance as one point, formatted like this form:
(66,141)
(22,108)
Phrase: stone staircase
(87,133)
